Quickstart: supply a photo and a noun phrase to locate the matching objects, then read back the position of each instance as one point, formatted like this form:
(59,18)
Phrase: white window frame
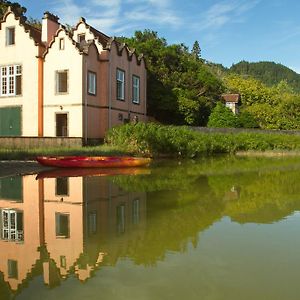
(9,226)
(8,80)
(121,83)
(136,83)
(10,36)
(92,83)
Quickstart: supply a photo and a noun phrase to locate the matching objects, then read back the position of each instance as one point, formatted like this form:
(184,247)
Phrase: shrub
(155,140)
(222,117)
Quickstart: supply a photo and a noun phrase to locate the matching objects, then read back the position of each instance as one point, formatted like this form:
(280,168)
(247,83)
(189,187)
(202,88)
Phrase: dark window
(61,125)
(92,83)
(81,38)
(10,36)
(63,262)
(62,225)
(12,269)
(120,84)
(62,186)
(121,219)
(61,81)
(135,89)
(61,44)
(92,223)
(136,211)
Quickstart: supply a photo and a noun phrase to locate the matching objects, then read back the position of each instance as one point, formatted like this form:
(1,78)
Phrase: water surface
(222,228)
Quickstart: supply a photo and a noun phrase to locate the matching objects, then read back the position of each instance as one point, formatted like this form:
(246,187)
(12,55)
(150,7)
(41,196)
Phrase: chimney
(49,27)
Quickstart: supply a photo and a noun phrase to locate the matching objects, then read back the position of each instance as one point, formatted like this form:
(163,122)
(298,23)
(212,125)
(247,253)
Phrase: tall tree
(196,50)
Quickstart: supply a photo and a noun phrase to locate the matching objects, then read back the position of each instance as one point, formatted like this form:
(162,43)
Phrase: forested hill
(269,73)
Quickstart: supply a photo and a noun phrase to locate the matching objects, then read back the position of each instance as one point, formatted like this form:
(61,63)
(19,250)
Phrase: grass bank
(31,154)
(158,140)
(171,141)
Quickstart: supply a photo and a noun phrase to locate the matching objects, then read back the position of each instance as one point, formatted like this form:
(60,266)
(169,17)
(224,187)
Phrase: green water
(221,228)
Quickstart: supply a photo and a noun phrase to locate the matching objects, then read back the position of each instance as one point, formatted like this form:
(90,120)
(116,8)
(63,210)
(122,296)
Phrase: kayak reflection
(78,172)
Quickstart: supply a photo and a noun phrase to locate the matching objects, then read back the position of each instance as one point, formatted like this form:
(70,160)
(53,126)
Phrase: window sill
(10,96)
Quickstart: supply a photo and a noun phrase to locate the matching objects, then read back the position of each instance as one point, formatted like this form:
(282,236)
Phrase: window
(11,80)
(135,89)
(136,211)
(12,266)
(92,82)
(10,36)
(12,225)
(62,186)
(61,81)
(62,225)
(121,219)
(81,38)
(61,44)
(92,223)
(120,84)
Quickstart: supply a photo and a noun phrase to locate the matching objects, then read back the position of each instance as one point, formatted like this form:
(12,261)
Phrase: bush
(246,120)
(222,117)
(155,140)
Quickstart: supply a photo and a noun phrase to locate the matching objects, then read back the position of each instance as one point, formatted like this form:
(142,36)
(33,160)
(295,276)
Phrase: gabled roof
(102,38)
(34,33)
(107,42)
(82,48)
(231,97)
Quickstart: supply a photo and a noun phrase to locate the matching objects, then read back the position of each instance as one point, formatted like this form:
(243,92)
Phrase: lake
(216,228)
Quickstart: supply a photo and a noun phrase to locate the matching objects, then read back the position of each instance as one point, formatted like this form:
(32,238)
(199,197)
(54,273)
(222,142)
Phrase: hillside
(269,73)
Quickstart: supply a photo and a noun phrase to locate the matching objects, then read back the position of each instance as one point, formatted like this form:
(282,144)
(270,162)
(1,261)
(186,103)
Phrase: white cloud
(115,16)
(224,12)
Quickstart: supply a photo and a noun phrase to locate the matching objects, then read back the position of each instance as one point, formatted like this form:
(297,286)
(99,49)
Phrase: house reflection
(57,226)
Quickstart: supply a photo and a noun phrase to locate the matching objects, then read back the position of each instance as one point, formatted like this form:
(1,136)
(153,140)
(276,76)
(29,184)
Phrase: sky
(228,31)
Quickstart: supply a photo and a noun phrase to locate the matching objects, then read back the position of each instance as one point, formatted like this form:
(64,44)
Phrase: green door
(10,121)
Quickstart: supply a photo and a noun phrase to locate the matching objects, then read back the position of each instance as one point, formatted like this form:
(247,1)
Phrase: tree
(196,50)
(222,117)
(181,89)
(20,10)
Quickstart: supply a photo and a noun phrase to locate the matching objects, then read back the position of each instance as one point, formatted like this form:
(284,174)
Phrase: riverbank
(12,168)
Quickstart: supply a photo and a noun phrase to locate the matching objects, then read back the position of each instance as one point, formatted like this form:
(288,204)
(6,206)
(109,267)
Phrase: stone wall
(37,142)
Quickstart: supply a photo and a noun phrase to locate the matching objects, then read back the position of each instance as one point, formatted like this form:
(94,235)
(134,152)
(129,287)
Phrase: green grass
(31,154)
(167,141)
(158,140)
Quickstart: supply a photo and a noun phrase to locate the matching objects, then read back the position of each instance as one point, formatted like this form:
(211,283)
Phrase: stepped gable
(34,33)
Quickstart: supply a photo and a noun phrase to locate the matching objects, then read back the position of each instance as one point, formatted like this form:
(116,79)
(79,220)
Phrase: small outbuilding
(232,101)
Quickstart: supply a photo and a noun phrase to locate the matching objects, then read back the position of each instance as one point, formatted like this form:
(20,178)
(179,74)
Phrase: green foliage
(268,73)
(20,10)
(247,120)
(181,89)
(159,140)
(196,50)
(222,117)
(276,107)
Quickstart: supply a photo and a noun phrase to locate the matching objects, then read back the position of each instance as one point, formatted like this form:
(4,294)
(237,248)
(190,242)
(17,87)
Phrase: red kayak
(93,161)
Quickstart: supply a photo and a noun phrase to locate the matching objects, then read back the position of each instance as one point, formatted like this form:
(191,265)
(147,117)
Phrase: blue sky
(228,31)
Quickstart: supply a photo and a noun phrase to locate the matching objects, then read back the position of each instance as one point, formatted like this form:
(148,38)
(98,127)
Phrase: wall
(70,102)
(15,54)
(34,142)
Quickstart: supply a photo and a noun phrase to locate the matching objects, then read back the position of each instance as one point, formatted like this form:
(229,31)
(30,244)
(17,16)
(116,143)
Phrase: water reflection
(54,226)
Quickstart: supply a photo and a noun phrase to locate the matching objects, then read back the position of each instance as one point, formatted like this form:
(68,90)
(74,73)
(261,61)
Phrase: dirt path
(10,168)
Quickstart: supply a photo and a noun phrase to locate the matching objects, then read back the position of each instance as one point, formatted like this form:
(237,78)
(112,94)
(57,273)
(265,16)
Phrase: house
(61,83)
(232,101)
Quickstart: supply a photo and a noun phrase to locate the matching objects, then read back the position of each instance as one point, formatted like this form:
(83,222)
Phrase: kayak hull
(93,161)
